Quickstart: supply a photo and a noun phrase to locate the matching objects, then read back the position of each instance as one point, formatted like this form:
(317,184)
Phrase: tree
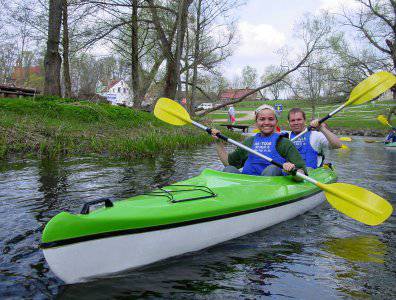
(52,60)
(271,73)
(375,21)
(8,58)
(212,36)
(137,43)
(65,52)
(172,53)
(313,75)
(249,77)
(312,32)
(196,55)
(313,78)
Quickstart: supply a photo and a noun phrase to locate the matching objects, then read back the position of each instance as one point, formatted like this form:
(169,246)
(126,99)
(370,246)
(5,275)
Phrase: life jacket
(266,145)
(303,145)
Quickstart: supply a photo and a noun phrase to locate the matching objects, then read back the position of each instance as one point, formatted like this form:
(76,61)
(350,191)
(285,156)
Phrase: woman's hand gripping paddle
(356,202)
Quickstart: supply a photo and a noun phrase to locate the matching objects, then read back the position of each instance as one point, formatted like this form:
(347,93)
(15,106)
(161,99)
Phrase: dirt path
(249,116)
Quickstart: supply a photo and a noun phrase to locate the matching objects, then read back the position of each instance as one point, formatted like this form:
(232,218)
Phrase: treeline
(163,47)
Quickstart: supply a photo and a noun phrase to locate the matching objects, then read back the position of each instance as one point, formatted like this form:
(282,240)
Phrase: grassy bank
(47,126)
(359,117)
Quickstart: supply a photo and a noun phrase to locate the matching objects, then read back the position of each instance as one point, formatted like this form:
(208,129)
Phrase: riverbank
(48,126)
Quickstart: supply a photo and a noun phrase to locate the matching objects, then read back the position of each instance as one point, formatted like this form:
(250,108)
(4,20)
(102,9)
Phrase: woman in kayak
(267,142)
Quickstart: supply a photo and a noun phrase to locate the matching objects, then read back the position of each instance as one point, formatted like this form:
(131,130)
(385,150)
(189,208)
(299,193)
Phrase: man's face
(297,122)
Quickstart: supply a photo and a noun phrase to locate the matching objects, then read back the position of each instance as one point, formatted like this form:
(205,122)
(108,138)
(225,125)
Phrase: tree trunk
(65,54)
(313,107)
(136,86)
(196,54)
(52,59)
(170,79)
(173,64)
(187,76)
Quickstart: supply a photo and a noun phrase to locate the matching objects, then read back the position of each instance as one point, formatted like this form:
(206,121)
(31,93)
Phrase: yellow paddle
(368,89)
(383,120)
(345,139)
(356,202)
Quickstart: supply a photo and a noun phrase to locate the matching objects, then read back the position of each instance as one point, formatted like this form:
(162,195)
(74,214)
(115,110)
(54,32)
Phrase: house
(233,94)
(117,92)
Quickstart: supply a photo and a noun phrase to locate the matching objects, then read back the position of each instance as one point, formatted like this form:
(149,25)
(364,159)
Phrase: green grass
(47,126)
(357,117)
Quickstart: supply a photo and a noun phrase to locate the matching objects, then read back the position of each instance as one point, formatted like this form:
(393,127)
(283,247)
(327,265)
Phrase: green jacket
(284,147)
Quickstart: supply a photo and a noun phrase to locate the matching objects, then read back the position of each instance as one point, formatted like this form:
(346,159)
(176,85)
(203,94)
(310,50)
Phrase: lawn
(352,117)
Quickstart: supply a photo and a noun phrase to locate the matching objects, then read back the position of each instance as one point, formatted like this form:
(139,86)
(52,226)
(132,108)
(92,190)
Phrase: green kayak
(391,146)
(188,216)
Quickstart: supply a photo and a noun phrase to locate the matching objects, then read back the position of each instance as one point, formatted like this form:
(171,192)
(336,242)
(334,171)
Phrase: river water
(321,254)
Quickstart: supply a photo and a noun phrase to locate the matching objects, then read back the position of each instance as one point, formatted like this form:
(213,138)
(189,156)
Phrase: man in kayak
(319,141)
(267,142)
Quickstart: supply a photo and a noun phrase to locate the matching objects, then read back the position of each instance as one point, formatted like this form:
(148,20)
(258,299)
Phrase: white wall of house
(120,93)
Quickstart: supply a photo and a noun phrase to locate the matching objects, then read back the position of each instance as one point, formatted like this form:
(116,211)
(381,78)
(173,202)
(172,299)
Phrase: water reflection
(362,256)
(357,248)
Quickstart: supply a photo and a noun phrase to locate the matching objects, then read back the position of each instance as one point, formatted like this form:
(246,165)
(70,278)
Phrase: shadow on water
(321,254)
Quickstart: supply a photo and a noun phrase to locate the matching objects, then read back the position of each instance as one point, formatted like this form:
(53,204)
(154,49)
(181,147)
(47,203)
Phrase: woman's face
(266,121)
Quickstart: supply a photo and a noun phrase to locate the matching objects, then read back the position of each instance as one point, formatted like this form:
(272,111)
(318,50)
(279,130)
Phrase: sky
(265,26)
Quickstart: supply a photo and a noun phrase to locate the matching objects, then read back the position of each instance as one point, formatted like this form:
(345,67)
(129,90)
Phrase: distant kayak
(391,146)
(188,216)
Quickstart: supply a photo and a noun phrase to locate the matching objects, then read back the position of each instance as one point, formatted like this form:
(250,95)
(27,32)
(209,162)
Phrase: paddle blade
(358,203)
(345,147)
(345,139)
(371,87)
(171,112)
(383,120)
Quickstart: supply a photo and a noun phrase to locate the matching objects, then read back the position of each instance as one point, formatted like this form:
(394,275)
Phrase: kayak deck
(216,194)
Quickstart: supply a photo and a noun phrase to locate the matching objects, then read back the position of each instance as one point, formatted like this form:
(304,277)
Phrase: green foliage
(50,126)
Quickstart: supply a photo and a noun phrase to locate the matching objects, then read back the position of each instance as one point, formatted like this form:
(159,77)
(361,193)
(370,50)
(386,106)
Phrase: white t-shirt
(319,142)
(231,111)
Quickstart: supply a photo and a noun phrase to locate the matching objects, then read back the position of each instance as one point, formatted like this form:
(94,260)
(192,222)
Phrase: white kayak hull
(83,261)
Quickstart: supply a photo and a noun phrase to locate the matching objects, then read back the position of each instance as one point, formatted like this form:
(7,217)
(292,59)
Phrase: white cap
(266,106)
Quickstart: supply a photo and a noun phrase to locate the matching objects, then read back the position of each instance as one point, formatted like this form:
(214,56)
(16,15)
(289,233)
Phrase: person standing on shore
(231,114)
(313,143)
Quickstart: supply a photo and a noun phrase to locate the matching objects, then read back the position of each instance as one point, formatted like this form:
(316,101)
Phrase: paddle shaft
(320,121)
(269,159)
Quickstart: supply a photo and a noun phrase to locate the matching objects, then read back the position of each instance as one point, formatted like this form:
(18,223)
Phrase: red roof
(110,85)
(19,72)
(113,83)
(234,93)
